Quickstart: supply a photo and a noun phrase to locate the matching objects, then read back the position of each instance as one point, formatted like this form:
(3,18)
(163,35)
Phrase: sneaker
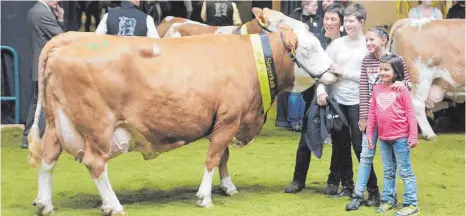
(296,126)
(294,187)
(331,189)
(355,203)
(374,197)
(345,191)
(408,210)
(385,207)
(328,140)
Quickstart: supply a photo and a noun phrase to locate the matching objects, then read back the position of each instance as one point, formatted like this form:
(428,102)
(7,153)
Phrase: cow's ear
(291,39)
(260,17)
(257,12)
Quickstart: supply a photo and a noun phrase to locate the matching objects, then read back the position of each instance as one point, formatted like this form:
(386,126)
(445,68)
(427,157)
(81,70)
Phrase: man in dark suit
(44,21)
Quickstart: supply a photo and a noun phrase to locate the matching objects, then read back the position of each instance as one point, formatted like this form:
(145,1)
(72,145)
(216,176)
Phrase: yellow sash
(261,68)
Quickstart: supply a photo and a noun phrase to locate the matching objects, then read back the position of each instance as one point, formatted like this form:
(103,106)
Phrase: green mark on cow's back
(96,46)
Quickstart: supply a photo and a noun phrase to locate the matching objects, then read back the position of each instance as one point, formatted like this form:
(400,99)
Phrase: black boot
(331,189)
(25,144)
(374,197)
(303,159)
(356,202)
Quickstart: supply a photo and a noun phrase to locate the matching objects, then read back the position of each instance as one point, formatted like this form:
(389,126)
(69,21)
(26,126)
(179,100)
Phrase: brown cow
(105,95)
(434,52)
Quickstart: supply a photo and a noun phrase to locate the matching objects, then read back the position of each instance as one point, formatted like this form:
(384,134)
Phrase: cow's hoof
(430,137)
(229,191)
(106,211)
(42,209)
(205,203)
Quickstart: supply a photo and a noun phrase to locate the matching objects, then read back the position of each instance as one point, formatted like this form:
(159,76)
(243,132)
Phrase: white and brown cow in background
(434,51)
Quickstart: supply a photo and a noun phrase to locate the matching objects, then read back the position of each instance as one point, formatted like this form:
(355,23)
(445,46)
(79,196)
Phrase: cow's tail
(398,24)
(34,134)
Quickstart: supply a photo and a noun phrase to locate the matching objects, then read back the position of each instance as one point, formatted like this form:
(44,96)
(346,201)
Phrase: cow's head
(271,20)
(311,59)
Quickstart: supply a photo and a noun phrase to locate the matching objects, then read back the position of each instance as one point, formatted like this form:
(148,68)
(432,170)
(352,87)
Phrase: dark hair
(336,8)
(380,31)
(356,10)
(397,65)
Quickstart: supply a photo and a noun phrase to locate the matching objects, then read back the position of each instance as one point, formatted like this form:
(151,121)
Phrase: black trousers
(32,111)
(303,153)
(341,150)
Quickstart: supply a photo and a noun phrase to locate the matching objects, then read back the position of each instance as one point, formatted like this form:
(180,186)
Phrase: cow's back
(437,43)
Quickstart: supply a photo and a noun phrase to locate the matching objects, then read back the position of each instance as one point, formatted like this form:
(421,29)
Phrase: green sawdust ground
(261,170)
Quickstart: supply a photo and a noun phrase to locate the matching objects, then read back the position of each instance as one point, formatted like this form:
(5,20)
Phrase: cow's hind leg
(419,102)
(96,157)
(226,185)
(225,128)
(50,152)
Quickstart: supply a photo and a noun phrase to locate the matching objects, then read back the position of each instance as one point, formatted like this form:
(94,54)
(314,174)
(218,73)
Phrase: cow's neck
(283,64)
(253,27)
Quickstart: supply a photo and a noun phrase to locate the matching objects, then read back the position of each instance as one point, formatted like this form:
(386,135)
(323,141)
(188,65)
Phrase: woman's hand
(398,86)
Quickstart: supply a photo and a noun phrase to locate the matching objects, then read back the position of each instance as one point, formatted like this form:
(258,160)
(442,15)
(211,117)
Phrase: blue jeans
(367,158)
(296,107)
(365,164)
(401,151)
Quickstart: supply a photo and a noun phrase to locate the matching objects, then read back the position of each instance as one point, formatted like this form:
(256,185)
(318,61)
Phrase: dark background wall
(14,33)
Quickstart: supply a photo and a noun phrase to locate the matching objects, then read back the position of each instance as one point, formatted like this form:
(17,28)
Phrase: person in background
(456,11)
(127,20)
(425,10)
(326,3)
(44,21)
(220,13)
(307,13)
(182,9)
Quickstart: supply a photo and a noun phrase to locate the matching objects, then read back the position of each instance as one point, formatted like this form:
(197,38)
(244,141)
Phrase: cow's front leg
(225,128)
(226,185)
(110,203)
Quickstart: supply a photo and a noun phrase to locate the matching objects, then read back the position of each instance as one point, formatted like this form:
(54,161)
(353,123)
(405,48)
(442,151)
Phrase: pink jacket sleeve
(411,116)
(372,119)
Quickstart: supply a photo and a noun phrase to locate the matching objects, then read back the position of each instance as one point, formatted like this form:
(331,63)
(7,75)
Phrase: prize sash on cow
(265,68)
(243,30)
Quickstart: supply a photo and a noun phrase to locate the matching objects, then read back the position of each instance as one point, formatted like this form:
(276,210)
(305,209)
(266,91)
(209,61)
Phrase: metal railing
(14,98)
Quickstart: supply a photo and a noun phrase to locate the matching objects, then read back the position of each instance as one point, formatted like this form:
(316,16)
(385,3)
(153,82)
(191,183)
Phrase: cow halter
(262,25)
(292,55)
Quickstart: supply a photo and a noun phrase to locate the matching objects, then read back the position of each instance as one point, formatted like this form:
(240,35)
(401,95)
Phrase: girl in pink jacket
(392,111)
